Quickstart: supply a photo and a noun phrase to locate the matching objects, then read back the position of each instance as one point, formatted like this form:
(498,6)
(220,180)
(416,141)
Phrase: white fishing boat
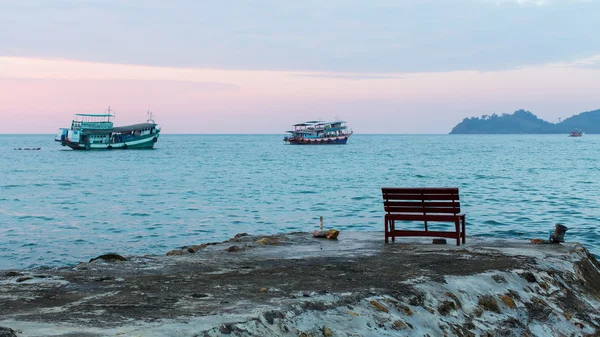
(96,132)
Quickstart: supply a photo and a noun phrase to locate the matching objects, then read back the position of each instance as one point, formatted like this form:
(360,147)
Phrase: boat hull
(318,141)
(141,143)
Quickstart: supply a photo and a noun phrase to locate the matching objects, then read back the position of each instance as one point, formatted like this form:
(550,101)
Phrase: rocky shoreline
(297,285)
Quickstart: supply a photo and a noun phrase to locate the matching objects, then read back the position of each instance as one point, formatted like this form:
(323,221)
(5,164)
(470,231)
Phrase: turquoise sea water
(59,207)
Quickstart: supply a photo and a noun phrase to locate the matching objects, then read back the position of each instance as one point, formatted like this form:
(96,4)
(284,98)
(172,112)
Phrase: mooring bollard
(559,233)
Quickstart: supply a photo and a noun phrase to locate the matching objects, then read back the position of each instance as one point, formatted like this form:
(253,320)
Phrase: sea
(59,207)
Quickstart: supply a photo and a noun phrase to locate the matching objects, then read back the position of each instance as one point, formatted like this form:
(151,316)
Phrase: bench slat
(426,217)
(394,209)
(388,196)
(450,235)
(426,190)
(421,203)
(420,189)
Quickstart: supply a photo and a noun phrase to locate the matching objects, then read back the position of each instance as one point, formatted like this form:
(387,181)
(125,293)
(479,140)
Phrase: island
(525,122)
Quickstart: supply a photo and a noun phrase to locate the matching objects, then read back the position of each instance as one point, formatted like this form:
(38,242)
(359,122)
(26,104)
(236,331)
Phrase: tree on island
(525,122)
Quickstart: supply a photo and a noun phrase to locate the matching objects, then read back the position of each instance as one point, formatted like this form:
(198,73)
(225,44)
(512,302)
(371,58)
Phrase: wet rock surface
(294,284)
(7,332)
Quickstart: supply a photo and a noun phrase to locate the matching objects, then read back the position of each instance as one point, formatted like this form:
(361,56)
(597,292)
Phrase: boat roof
(94,115)
(133,127)
(308,123)
(126,128)
(331,123)
(314,123)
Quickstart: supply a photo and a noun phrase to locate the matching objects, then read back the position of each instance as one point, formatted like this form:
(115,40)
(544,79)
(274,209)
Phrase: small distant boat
(576,133)
(319,133)
(96,132)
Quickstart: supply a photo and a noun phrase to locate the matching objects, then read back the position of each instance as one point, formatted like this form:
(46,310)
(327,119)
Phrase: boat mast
(150,118)
(109,111)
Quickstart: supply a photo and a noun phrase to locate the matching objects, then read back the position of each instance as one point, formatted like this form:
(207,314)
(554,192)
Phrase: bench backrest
(421,200)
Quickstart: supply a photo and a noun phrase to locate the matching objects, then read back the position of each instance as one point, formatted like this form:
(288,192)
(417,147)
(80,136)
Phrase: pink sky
(40,95)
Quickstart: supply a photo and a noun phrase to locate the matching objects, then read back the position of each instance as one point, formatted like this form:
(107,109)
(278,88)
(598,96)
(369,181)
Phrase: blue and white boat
(96,132)
(319,133)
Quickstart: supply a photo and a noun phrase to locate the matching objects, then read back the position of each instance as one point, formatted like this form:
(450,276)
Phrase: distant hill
(522,121)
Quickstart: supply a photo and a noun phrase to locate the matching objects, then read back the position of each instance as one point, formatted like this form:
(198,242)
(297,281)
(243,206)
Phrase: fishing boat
(576,133)
(319,133)
(96,132)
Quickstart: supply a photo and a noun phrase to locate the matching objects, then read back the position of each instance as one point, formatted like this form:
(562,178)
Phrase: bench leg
(385,227)
(393,229)
(457,226)
(464,229)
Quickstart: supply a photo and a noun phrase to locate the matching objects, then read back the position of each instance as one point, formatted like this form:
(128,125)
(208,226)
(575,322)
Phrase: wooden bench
(422,204)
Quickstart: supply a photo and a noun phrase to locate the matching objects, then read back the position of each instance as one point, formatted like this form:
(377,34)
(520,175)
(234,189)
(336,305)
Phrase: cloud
(352,76)
(524,2)
(350,36)
(588,62)
(591,62)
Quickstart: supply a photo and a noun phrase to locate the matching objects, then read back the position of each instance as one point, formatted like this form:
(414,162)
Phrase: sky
(384,66)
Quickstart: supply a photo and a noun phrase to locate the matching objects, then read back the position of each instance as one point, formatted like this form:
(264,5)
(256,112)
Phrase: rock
(379,306)
(267,241)
(489,303)
(196,248)
(233,249)
(226,328)
(417,300)
(455,298)
(508,301)
(445,307)
(528,276)
(199,295)
(109,257)
(438,241)
(174,252)
(403,308)
(239,235)
(262,290)
(353,313)
(13,274)
(7,332)
(24,278)
(399,325)
(538,309)
(327,332)
(514,295)
(331,234)
(498,278)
